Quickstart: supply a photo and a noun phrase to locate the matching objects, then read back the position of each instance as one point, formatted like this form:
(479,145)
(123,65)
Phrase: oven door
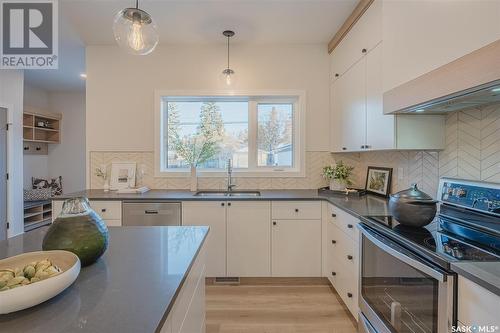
(400,291)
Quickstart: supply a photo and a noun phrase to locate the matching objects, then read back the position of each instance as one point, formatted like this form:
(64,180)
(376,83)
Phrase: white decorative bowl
(32,294)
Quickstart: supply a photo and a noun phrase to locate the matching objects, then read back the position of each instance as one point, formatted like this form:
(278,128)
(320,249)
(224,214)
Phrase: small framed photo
(122,175)
(378,180)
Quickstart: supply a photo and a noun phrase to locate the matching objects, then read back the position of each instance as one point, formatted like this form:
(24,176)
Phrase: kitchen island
(140,284)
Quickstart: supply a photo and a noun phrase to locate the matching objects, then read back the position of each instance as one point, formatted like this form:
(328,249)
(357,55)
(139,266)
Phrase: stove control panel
(484,197)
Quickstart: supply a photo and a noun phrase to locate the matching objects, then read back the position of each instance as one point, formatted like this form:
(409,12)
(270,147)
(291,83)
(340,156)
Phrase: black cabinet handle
(336,74)
(349,295)
(150,212)
(333,273)
(363,147)
(350,226)
(334,215)
(296,210)
(222,204)
(349,257)
(334,241)
(103,210)
(38,148)
(229,204)
(274,223)
(26,148)
(344,148)
(363,51)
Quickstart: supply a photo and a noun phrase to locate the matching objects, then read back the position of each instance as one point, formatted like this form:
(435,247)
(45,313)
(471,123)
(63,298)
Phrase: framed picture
(378,180)
(122,175)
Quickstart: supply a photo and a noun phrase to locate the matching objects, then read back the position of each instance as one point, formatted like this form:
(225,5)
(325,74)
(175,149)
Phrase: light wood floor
(275,309)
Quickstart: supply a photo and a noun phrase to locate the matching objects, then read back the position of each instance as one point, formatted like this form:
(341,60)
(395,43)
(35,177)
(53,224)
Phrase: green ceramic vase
(78,229)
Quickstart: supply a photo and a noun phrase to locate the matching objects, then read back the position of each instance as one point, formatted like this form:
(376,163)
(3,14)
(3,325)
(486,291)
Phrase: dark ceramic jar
(78,229)
(412,207)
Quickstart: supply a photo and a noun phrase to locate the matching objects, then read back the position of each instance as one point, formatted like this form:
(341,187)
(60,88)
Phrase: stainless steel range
(406,283)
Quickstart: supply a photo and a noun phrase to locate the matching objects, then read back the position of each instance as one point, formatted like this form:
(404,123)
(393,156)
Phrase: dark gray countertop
(357,206)
(485,274)
(131,288)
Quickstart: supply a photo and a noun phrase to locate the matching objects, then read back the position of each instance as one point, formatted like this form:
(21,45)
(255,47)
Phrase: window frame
(297,97)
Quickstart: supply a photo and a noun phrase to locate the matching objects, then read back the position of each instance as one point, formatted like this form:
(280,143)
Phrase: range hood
(470,81)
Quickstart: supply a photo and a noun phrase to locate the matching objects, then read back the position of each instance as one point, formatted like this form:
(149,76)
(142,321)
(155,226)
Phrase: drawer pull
(150,212)
(334,273)
(296,210)
(349,295)
(103,210)
(350,226)
(334,241)
(274,223)
(334,215)
(229,204)
(349,257)
(222,204)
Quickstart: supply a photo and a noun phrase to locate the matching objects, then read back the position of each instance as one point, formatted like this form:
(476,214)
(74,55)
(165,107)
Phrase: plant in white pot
(338,175)
(199,147)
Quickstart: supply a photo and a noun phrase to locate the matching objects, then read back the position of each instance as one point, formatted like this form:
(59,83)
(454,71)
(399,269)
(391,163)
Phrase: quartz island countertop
(131,288)
(358,206)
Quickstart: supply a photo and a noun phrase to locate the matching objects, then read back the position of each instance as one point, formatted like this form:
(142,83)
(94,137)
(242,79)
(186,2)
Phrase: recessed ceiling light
(419,110)
(496,89)
(83,75)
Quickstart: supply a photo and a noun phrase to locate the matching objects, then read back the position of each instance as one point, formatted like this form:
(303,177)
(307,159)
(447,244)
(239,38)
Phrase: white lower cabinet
(296,248)
(248,238)
(212,214)
(342,256)
(109,211)
(476,305)
(188,311)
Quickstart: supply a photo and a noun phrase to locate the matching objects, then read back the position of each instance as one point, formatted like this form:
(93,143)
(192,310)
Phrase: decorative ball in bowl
(31,278)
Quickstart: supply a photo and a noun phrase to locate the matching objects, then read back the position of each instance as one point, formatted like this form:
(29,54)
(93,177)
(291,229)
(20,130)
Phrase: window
(260,134)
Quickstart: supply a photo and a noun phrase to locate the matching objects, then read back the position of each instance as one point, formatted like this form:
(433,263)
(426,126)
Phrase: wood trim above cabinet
(476,68)
(356,14)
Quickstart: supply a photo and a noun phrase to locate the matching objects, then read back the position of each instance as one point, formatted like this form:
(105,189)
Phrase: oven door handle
(406,258)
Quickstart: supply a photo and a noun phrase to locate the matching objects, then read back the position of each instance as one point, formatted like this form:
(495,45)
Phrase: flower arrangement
(340,172)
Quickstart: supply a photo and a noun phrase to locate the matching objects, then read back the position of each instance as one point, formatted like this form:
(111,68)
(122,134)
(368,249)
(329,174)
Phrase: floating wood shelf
(49,133)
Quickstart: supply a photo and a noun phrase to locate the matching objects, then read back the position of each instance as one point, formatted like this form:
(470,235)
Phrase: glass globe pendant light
(228,73)
(135,31)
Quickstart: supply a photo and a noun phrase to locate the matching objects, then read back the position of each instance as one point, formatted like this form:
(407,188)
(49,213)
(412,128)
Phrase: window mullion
(252,135)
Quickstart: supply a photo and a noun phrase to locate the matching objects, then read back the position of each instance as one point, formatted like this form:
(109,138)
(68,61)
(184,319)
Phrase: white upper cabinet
(365,35)
(420,36)
(379,127)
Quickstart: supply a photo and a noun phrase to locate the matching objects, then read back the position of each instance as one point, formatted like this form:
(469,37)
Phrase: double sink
(227,194)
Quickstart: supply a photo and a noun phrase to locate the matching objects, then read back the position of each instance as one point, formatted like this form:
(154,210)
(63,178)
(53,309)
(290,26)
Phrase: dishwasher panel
(151,213)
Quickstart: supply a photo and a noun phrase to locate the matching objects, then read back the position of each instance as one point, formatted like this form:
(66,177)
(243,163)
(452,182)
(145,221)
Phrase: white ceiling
(89,22)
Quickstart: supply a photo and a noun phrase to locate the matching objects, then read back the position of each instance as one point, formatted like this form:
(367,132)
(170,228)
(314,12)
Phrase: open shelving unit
(37,214)
(33,132)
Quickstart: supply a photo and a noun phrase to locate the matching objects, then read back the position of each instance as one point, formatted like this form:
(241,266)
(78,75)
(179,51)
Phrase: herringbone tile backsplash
(472,152)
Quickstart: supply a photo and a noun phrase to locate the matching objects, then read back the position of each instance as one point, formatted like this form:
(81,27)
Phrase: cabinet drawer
(113,223)
(345,283)
(346,222)
(108,210)
(341,248)
(296,210)
(476,305)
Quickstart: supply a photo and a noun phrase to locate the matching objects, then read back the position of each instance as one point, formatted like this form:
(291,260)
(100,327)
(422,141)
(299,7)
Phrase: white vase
(194,180)
(336,185)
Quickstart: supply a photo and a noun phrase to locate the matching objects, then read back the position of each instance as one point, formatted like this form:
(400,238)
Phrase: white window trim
(299,132)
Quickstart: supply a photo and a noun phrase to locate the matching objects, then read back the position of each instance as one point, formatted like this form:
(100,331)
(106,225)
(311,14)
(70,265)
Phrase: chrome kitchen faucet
(230,184)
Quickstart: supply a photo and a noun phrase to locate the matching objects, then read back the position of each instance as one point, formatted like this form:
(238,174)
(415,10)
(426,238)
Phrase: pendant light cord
(228,52)
(136,4)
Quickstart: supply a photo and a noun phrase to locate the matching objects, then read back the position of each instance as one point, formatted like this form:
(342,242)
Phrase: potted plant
(339,176)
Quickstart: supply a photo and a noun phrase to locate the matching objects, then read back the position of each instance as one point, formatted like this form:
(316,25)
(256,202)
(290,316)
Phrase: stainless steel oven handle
(441,277)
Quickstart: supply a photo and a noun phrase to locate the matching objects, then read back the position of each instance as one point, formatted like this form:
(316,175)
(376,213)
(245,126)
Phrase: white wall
(11,96)
(120,87)
(67,159)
